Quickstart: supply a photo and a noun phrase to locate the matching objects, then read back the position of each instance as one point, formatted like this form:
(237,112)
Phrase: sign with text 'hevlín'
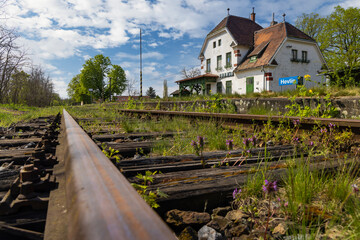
(288,80)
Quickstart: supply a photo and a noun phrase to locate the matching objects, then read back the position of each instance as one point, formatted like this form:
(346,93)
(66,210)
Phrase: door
(249,85)
(228,87)
(208,89)
(219,87)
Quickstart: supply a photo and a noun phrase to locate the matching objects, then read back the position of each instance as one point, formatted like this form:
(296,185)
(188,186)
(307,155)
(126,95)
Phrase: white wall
(286,68)
(239,85)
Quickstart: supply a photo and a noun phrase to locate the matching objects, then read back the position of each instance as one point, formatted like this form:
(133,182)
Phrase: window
(214,44)
(219,87)
(228,60)
(208,69)
(219,42)
(304,56)
(294,54)
(253,59)
(218,63)
(228,87)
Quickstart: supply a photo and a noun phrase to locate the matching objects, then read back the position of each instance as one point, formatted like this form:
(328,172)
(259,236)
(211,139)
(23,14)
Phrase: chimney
(273,22)
(252,15)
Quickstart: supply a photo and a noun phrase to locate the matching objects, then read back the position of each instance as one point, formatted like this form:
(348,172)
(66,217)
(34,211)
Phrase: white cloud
(60,86)
(153,45)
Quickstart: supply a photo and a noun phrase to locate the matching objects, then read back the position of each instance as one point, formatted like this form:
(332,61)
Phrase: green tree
(77,92)
(96,70)
(341,44)
(311,24)
(338,39)
(117,77)
(151,92)
(18,84)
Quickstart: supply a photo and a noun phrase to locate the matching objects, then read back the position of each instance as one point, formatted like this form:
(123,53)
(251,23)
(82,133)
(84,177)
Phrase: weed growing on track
(142,188)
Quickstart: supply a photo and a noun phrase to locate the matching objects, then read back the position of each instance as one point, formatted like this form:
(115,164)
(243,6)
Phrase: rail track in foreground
(87,196)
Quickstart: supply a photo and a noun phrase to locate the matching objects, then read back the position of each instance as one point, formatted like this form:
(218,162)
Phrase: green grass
(15,113)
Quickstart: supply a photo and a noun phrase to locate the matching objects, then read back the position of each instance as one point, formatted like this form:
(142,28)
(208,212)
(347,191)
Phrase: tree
(96,70)
(131,84)
(311,24)
(151,92)
(18,83)
(189,73)
(338,39)
(77,92)
(118,80)
(11,58)
(341,44)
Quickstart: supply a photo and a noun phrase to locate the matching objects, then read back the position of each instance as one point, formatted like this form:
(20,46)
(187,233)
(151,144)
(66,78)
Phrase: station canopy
(197,83)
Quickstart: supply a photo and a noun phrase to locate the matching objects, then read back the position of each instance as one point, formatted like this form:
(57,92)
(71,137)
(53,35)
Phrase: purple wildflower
(246,142)
(323,130)
(296,139)
(286,204)
(269,187)
(311,143)
(253,140)
(296,122)
(331,125)
(193,143)
(236,192)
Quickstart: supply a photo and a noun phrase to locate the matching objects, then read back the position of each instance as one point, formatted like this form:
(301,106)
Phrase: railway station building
(240,56)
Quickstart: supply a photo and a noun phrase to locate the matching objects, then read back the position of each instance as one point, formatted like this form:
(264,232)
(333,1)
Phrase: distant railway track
(92,197)
(306,122)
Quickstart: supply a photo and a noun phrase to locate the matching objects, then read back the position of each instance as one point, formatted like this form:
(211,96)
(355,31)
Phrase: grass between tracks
(13,113)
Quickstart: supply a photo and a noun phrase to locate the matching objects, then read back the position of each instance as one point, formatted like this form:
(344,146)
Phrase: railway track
(306,122)
(84,195)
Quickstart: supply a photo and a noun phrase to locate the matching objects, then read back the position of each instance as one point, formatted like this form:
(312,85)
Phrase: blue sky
(60,35)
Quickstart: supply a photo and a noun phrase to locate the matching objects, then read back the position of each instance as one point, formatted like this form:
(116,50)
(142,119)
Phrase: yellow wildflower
(310,91)
(307,76)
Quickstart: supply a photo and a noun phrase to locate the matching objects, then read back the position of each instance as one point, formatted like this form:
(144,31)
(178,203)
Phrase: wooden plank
(113,137)
(18,142)
(182,185)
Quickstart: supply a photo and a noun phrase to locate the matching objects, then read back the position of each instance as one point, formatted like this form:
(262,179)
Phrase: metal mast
(140,67)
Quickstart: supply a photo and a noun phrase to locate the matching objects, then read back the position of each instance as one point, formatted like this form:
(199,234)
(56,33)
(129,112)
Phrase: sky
(60,35)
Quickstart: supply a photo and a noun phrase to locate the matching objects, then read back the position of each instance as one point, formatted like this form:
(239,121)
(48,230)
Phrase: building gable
(268,41)
(240,29)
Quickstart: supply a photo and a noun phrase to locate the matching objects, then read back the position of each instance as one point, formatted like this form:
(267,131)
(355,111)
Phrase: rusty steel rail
(353,124)
(101,202)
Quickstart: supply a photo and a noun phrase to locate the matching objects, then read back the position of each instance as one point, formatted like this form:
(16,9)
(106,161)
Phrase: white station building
(239,56)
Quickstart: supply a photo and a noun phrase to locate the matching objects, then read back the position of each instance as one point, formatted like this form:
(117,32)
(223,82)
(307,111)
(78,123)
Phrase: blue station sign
(288,81)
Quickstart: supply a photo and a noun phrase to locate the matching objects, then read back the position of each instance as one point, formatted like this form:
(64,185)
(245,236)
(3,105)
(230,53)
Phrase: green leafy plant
(110,152)
(142,188)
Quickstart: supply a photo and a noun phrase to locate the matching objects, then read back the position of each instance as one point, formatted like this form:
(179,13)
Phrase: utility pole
(140,67)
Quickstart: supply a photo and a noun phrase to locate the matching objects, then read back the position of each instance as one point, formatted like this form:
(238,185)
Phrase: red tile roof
(267,41)
(242,29)
(207,75)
